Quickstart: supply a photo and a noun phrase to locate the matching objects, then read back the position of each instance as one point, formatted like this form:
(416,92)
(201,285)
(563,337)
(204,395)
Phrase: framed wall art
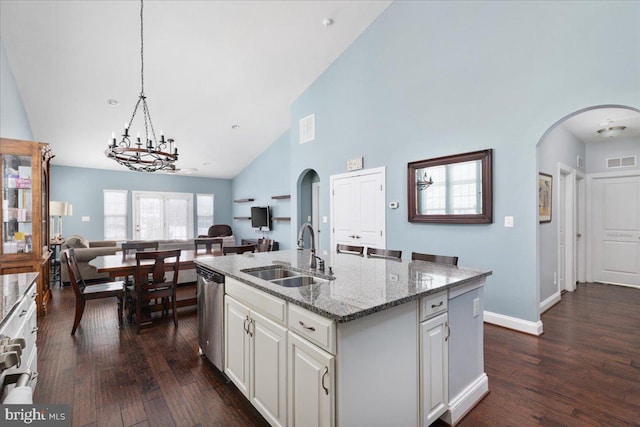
(545,187)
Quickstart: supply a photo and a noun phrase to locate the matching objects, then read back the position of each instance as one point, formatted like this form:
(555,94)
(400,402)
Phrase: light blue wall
(266,176)
(562,146)
(14,122)
(599,152)
(83,188)
(429,79)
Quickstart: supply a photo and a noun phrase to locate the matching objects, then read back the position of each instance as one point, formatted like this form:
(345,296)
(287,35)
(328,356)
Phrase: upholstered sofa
(86,250)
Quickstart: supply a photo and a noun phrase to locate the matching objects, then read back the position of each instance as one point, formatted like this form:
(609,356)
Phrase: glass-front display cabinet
(24,178)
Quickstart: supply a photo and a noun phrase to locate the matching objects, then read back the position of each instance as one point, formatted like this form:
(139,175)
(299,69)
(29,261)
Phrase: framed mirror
(453,189)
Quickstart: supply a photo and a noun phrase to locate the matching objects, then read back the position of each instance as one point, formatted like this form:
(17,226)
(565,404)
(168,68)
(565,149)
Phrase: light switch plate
(508,221)
(324,220)
(86,218)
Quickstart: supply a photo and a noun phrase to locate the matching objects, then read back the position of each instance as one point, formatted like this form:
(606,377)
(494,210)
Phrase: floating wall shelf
(284,196)
(241,217)
(281,218)
(243,200)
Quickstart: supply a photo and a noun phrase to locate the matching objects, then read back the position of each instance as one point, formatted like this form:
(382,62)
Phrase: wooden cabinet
(434,390)
(255,358)
(24,179)
(311,384)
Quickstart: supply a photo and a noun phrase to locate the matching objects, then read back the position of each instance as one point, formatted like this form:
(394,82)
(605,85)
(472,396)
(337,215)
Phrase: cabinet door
(311,384)
(236,340)
(268,360)
(434,383)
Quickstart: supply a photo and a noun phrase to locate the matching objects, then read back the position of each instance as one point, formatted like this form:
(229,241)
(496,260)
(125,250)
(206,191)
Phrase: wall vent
(307,128)
(621,162)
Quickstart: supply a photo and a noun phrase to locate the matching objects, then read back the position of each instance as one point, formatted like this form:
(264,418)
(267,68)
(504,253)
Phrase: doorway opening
(309,205)
(573,151)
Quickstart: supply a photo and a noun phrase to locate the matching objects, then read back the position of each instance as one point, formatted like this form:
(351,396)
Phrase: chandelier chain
(141,48)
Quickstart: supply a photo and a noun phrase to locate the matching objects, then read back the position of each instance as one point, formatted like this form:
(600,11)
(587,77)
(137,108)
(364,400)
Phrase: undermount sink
(282,276)
(297,281)
(272,273)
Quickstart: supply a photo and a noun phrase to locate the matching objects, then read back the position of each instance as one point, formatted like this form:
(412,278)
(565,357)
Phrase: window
(115,214)
(204,210)
(161,216)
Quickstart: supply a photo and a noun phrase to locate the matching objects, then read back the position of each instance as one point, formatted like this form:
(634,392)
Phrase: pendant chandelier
(423,182)
(151,154)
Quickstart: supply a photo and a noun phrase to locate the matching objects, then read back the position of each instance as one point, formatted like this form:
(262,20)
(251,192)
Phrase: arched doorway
(571,151)
(308,206)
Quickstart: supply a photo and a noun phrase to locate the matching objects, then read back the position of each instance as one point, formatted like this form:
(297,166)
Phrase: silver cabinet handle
(352,236)
(245,327)
(437,305)
(251,332)
(22,313)
(35,294)
(358,237)
(35,329)
(326,371)
(446,325)
(311,328)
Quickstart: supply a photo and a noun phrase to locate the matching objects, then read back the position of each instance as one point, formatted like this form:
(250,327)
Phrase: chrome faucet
(313,257)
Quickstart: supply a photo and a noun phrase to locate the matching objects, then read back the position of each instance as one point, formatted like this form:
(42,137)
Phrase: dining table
(122,266)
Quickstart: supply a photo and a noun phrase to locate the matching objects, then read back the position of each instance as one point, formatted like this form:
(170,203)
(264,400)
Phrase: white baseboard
(520,325)
(549,302)
(466,400)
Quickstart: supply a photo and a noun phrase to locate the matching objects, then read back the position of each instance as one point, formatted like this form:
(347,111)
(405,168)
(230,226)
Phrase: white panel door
(358,209)
(616,220)
(268,369)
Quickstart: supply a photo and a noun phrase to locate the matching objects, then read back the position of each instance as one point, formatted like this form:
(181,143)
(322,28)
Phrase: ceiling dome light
(611,132)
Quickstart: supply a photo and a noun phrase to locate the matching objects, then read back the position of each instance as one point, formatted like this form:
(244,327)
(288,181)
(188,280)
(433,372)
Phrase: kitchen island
(373,342)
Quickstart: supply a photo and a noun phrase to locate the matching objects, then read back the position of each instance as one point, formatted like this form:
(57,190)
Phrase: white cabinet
(255,359)
(311,384)
(433,368)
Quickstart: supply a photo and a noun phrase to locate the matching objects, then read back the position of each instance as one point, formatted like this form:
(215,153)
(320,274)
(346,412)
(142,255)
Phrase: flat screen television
(261,217)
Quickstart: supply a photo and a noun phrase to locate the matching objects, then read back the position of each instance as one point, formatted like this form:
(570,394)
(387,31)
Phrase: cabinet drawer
(13,325)
(263,302)
(317,329)
(432,305)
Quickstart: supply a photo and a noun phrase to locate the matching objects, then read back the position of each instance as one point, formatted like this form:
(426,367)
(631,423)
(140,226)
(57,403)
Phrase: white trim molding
(549,302)
(466,400)
(520,325)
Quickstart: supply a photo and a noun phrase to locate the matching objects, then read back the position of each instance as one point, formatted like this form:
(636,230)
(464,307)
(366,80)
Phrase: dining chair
(153,281)
(238,249)
(134,247)
(384,253)
(349,249)
(441,259)
(207,243)
(86,292)
(264,245)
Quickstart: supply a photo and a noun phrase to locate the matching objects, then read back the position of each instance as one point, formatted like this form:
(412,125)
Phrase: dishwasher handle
(209,275)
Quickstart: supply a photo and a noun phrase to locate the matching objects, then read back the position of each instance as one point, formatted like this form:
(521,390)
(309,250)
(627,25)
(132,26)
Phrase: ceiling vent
(307,128)
(621,162)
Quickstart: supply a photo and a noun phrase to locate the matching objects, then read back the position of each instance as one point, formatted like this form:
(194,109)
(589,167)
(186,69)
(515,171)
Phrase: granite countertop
(359,286)
(14,287)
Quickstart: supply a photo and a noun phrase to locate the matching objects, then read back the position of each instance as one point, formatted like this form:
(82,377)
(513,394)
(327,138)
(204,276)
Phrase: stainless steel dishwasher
(211,315)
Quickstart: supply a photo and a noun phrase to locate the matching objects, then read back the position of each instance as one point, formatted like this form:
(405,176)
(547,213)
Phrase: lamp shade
(56,208)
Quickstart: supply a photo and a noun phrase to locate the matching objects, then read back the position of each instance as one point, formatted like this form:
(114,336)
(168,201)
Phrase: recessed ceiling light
(235,127)
(113,102)
(327,22)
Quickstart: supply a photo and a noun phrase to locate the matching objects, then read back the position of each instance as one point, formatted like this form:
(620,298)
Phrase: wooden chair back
(135,247)
(264,245)
(207,243)
(238,249)
(441,259)
(77,282)
(219,230)
(384,253)
(349,249)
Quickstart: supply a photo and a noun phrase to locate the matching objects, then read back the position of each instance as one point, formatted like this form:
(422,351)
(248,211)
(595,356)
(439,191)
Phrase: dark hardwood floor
(584,370)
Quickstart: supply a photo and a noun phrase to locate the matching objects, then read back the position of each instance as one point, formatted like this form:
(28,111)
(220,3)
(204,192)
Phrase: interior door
(616,221)
(358,205)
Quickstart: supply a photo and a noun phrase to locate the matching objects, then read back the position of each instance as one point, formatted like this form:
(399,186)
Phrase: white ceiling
(208,65)
(586,124)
